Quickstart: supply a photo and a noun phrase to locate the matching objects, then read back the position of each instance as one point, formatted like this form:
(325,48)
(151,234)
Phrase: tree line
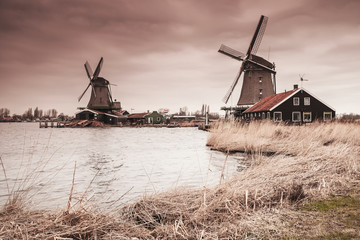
(31,115)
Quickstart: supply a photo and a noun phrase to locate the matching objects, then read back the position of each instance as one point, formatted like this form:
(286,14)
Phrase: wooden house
(154,118)
(295,106)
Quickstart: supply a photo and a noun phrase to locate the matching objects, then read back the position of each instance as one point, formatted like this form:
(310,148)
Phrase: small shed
(137,118)
(154,118)
(295,106)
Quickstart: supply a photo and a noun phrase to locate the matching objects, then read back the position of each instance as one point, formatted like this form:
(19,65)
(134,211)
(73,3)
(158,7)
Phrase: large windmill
(259,74)
(101,98)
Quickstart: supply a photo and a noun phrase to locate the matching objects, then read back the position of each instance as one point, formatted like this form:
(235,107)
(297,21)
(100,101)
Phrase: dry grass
(308,163)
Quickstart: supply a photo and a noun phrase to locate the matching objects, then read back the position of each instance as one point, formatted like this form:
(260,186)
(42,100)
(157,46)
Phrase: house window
(296,101)
(277,116)
(260,80)
(263,115)
(250,73)
(260,91)
(306,101)
(307,116)
(158,119)
(150,120)
(296,116)
(327,116)
(268,115)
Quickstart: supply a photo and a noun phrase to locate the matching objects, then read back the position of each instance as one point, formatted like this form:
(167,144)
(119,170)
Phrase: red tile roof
(270,101)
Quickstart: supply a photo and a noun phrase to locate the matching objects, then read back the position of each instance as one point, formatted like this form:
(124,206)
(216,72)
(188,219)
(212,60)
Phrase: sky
(163,53)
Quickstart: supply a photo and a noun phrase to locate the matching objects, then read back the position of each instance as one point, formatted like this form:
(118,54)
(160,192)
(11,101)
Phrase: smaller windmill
(259,74)
(101,98)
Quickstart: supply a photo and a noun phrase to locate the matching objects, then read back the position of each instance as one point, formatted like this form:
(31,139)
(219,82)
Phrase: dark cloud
(169,46)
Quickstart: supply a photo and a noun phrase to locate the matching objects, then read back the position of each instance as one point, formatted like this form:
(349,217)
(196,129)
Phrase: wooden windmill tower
(259,74)
(101,98)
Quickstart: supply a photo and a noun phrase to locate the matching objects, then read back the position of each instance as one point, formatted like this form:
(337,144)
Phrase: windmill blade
(93,89)
(88,70)
(98,68)
(259,32)
(83,92)
(231,52)
(109,88)
(231,89)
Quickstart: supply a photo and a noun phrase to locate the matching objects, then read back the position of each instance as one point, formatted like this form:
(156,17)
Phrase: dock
(51,124)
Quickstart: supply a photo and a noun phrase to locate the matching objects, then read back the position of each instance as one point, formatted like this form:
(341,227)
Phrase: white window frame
(150,120)
(305,113)
(268,115)
(307,101)
(293,114)
(275,120)
(327,119)
(263,115)
(294,101)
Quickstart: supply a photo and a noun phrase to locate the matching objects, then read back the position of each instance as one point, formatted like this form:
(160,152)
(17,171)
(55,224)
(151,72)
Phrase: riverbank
(308,189)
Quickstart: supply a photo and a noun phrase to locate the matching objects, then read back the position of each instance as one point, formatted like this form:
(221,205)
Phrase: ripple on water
(109,161)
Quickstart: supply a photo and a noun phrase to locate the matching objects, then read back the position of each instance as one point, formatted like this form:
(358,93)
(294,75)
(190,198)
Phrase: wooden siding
(316,107)
(285,105)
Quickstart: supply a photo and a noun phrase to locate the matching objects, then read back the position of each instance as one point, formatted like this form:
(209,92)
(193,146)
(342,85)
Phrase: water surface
(113,165)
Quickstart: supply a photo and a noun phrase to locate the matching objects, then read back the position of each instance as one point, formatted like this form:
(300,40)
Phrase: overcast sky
(163,54)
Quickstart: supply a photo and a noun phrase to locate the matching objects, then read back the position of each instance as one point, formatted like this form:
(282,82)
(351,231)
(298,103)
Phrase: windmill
(259,74)
(101,98)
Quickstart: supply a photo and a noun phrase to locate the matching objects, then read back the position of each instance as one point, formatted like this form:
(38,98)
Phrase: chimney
(296,86)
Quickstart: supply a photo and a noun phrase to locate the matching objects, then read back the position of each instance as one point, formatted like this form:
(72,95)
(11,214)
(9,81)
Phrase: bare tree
(53,113)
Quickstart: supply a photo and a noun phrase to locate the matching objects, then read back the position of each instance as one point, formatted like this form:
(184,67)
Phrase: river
(114,166)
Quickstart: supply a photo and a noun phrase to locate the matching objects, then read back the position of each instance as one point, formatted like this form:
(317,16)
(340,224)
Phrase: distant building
(296,106)
(137,118)
(90,114)
(154,118)
(181,119)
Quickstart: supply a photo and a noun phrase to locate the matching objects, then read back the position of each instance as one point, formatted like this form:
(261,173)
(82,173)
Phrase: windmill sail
(231,52)
(88,70)
(98,69)
(84,92)
(258,72)
(259,32)
(233,85)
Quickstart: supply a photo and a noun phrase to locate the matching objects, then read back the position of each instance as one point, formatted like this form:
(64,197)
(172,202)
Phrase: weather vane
(302,79)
